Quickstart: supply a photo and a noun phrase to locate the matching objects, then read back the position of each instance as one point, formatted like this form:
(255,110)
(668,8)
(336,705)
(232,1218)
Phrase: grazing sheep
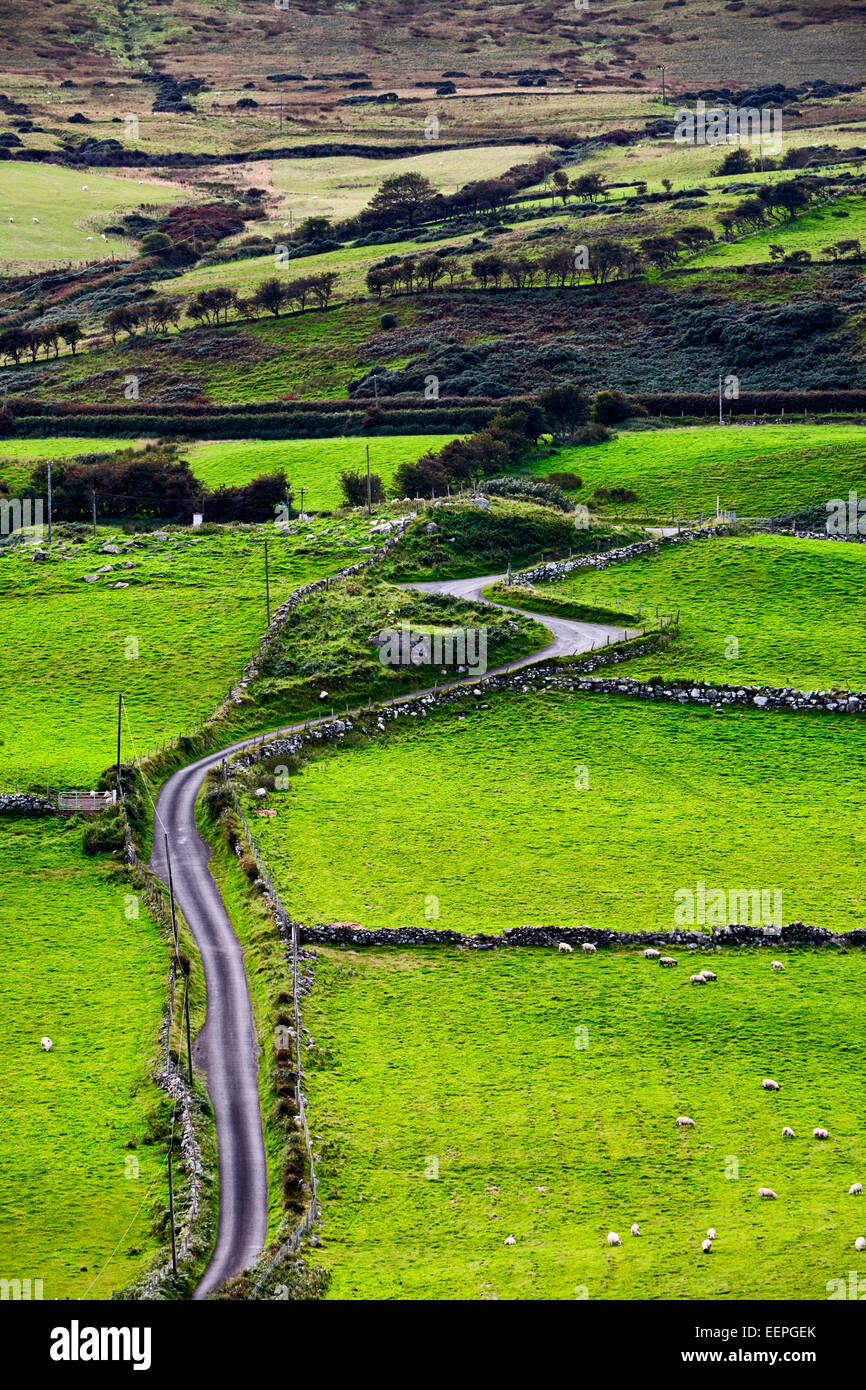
(776,965)
(787,1132)
(613,1238)
(708,975)
(683,1122)
(36,219)
(635,1230)
(564,948)
(697,980)
(770,1085)
(509,1240)
(588,948)
(650,953)
(855,1190)
(767,1192)
(666,960)
(84,188)
(711,1233)
(46,1044)
(820,1133)
(860,1243)
(88,238)
(706,1246)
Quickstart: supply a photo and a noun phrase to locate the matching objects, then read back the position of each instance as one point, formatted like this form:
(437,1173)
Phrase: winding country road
(226,1049)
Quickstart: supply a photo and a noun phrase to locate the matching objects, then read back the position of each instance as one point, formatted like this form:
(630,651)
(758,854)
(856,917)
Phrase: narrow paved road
(226,1049)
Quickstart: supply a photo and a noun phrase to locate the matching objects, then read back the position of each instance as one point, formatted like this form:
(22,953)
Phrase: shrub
(353,486)
(387,321)
(532,488)
(614,494)
(609,407)
(569,482)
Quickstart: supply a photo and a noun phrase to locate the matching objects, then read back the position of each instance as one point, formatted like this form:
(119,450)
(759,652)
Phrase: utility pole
(93,499)
(267,584)
(119,718)
(171,893)
(281,110)
(369,504)
(661,68)
(721,418)
(188,1040)
(49,504)
(171,1213)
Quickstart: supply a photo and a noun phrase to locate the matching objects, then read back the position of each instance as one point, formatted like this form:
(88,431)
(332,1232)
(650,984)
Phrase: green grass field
(314,464)
(68,212)
(173,641)
(18,456)
(478,824)
(81,1178)
(755,471)
(461,1098)
(797,609)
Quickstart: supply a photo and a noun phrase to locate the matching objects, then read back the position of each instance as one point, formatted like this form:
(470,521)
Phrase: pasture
(461,1098)
(761,470)
(483,822)
(82,1175)
(754,610)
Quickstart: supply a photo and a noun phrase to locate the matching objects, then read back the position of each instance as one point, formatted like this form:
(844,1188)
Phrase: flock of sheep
(685,1122)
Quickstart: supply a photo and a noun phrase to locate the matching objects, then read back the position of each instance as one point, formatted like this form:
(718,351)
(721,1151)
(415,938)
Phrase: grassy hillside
(173,641)
(83,1177)
(314,464)
(797,609)
(479,819)
(755,471)
(488,1119)
(19,456)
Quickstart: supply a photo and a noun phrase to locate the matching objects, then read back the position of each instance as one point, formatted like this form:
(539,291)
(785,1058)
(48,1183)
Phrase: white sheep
(635,1230)
(776,965)
(855,1190)
(788,1133)
(588,948)
(708,975)
(711,1233)
(509,1240)
(651,953)
(613,1238)
(683,1122)
(706,1246)
(84,188)
(564,948)
(88,238)
(820,1133)
(697,980)
(46,1044)
(666,960)
(860,1243)
(11,219)
(36,219)
(767,1192)
(770,1085)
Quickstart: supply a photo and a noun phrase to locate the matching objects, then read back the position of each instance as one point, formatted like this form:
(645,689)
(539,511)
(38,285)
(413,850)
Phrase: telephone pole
(661,68)
(369,502)
(119,718)
(171,893)
(93,499)
(267,584)
(49,504)
(721,417)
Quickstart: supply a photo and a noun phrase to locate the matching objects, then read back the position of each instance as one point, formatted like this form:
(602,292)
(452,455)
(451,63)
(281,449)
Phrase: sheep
(711,1233)
(770,1085)
(36,219)
(46,1044)
(650,953)
(564,948)
(776,965)
(666,960)
(697,980)
(767,1192)
(588,948)
(860,1243)
(509,1240)
(613,1238)
(88,238)
(788,1133)
(635,1230)
(11,219)
(855,1190)
(683,1122)
(820,1133)
(706,1246)
(708,975)
(84,188)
